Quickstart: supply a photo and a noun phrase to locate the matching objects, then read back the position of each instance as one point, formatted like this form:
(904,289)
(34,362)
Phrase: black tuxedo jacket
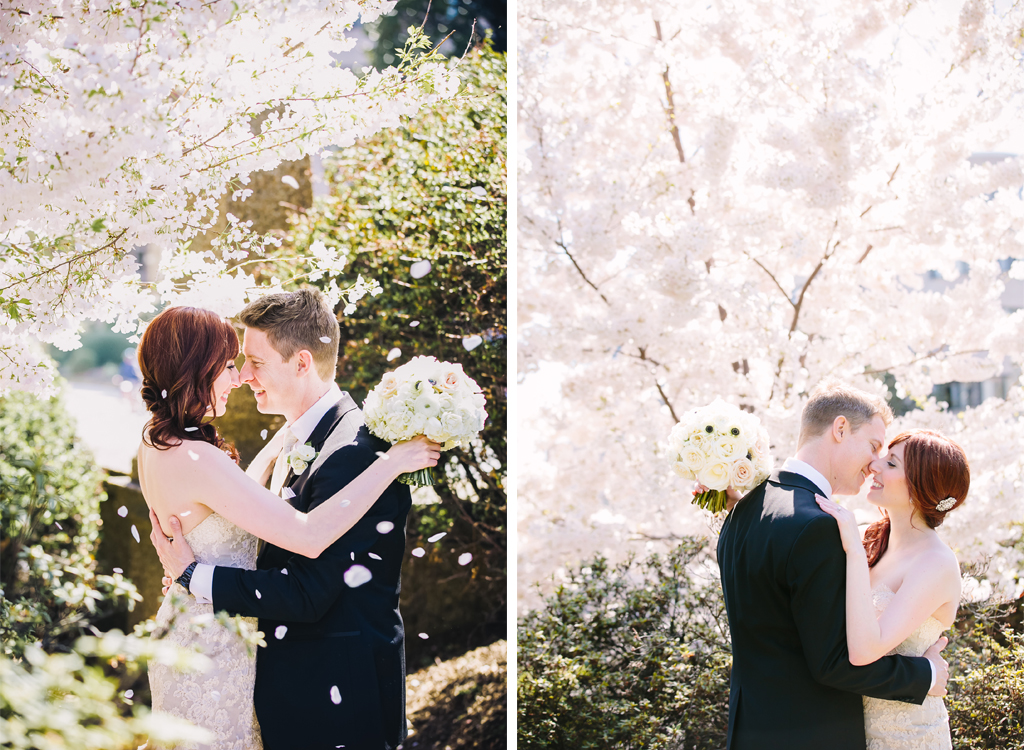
(784,578)
(337,636)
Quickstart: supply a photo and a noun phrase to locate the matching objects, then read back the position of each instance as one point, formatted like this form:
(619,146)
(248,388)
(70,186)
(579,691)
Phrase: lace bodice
(219,700)
(217,541)
(892,725)
(917,642)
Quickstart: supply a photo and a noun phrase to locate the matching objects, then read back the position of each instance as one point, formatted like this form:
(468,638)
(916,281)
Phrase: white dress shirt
(201,585)
(804,469)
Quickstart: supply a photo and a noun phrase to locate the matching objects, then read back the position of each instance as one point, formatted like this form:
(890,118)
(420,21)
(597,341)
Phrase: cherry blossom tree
(125,121)
(738,199)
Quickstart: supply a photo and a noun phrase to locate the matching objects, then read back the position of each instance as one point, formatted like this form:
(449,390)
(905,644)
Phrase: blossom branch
(670,110)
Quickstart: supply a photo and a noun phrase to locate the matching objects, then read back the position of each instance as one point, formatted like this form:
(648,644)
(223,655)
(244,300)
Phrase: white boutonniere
(300,457)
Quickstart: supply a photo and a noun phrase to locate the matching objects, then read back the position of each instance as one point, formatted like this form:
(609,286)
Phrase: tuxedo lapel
(325,427)
(317,439)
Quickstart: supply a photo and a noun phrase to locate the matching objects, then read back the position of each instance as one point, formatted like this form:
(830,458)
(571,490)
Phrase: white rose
(693,459)
(298,466)
(715,475)
(305,453)
(741,474)
(727,448)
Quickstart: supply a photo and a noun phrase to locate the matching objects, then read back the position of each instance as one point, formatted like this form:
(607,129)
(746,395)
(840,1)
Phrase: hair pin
(946,504)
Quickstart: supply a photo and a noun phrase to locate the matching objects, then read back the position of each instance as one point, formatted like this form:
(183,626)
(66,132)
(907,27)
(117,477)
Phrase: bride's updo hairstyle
(181,353)
(937,474)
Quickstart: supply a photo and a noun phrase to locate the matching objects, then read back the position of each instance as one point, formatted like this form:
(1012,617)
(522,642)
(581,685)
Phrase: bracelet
(186,577)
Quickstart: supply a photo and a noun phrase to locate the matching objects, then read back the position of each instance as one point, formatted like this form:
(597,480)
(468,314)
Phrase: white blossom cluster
(721,446)
(736,200)
(124,123)
(426,397)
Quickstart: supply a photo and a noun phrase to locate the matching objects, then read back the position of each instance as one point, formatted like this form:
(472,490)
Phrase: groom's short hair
(297,320)
(832,398)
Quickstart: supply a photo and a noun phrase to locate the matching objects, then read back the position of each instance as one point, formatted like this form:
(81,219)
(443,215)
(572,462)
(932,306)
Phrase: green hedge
(638,655)
(50,492)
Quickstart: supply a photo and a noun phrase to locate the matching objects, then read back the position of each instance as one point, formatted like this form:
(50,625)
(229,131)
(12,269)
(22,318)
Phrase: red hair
(935,468)
(182,352)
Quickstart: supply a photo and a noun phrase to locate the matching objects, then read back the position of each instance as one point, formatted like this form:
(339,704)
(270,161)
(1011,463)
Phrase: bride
(186,469)
(902,581)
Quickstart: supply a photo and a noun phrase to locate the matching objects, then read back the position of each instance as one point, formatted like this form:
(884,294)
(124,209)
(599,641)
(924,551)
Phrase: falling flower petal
(163,393)
(135,533)
(374,555)
(414,324)
(118,570)
(191,429)
(382,454)
(465,558)
(424,636)
(258,594)
(122,511)
(478,191)
(129,693)
(193,455)
(280,631)
(437,536)
(344,503)
(385,527)
(290,181)
(357,575)
(471,342)
(263,434)
(186,513)
(394,354)
(418,552)
(58,526)
(335,695)
(284,571)
(353,554)
(419,269)
(326,339)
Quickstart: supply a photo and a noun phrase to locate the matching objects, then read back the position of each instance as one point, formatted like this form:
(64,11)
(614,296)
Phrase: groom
(333,671)
(784,577)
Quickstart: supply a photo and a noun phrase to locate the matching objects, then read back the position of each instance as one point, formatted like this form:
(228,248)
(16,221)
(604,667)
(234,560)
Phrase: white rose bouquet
(426,397)
(720,446)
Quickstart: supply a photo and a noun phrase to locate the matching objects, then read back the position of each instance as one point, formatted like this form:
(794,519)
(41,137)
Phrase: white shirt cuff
(930,665)
(201,586)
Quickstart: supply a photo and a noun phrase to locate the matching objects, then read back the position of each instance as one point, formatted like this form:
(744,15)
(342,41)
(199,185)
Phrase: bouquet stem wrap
(713,500)
(421,478)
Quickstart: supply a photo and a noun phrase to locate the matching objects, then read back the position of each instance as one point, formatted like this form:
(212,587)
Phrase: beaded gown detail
(893,725)
(220,700)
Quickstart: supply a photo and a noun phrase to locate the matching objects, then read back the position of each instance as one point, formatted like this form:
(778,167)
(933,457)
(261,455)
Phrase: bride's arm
(216,481)
(925,588)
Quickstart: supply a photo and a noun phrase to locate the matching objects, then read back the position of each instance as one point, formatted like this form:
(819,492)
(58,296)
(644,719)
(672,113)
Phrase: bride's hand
(413,455)
(848,529)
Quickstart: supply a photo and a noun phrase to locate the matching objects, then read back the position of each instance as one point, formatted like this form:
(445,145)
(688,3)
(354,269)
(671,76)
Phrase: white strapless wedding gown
(893,725)
(219,700)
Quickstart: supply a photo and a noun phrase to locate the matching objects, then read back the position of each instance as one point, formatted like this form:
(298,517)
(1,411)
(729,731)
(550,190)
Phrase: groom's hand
(941,670)
(175,554)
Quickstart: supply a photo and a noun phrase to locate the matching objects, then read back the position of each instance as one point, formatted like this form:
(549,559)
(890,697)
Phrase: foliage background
(435,190)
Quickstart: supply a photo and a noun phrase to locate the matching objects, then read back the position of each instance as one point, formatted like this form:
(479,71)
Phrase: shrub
(986,684)
(638,656)
(50,491)
(630,656)
(67,701)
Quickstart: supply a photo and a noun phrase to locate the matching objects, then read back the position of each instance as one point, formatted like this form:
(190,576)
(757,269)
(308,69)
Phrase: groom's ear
(304,363)
(840,428)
